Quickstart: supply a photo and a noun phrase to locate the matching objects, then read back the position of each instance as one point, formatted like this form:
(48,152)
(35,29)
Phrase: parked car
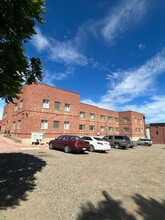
(69,143)
(144,141)
(119,141)
(97,143)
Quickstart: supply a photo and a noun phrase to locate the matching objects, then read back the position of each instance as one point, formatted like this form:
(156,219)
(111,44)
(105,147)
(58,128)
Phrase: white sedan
(97,143)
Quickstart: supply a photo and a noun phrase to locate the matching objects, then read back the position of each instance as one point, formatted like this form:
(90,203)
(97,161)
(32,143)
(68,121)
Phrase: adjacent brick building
(157,132)
(54,111)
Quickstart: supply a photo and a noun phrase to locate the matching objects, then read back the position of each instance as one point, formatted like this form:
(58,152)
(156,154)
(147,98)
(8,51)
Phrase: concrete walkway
(8,145)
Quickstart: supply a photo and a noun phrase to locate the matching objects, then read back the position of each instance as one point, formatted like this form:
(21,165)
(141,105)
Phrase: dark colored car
(144,141)
(119,141)
(69,143)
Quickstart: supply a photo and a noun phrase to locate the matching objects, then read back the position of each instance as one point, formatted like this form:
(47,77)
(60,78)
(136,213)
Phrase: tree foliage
(17,22)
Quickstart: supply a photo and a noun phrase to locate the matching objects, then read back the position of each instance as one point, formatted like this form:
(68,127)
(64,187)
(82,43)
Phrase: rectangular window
(57,105)
(125,119)
(110,129)
(66,125)
(102,117)
(13,126)
(110,119)
(56,124)
(91,127)
(116,119)
(116,129)
(67,107)
(19,124)
(45,103)
(82,127)
(92,116)
(44,124)
(126,130)
(82,114)
(157,133)
(21,103)
(102,128)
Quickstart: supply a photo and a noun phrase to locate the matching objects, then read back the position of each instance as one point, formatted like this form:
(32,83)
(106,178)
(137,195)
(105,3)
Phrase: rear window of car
(118,137)
(98,138)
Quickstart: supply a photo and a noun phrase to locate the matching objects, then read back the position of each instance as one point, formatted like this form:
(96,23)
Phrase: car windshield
(74,137)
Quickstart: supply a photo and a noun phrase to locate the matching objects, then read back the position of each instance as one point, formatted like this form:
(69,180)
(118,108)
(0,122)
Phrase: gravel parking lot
(51,185)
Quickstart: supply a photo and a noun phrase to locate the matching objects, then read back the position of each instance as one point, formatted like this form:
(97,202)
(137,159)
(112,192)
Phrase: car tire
(67,149)
(92,149)
(117,145)
(51,146)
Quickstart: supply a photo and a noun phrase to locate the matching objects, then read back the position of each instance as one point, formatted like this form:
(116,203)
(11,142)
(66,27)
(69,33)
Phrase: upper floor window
(45,103)
(44,124)
(102,117)
(116,129)
(126,130)
(126,119)
(56,124)
(110,129)
(66,125)
(67,107)
(57,105)
(21,103)
(92,116)
(116,119)
(110,118)
(82,114)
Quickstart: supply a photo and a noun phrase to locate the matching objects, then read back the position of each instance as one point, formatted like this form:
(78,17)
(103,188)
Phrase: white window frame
(102,128)
(82,127)
(19,124)
(45,103)
(102,117)
(82,114)
(44,124)
(21,104)
(92,116)
(67,107)
(66,125)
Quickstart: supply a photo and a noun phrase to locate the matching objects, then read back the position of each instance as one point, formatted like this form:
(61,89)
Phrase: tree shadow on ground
(107,209)
(110,209)
(17,177)
(149,208)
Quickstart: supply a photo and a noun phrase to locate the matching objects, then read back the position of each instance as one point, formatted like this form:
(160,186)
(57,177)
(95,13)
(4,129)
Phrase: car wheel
(51,146)
(146,144)
(117,145)
(67,149)
(92,148)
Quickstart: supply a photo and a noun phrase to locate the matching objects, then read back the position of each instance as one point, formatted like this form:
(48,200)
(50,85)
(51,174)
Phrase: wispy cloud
(122,17)
(127,86)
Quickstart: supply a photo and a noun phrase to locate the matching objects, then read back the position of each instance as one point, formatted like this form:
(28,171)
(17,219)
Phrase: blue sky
(111,52)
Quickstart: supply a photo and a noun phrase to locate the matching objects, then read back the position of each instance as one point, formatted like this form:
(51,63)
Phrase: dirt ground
(43,184)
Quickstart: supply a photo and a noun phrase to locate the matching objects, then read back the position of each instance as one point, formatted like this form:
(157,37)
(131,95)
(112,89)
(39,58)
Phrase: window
(102,128)
(66,125)
(102,117)
(116,129)
(126,130)
(91,127)
(92,116)
(45,103)
(56,124)
(13,126)
(110,119)
(67,107)
(110,129)
(157,132)
(82,114)
(82,127)
(125,119)
(57,105)
(21,103)
(141,121)
(15,107)
(19,124)
(44,124)
(116,119)
(135,120)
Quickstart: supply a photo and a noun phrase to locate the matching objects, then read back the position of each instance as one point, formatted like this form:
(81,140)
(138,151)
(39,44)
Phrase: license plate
(84,148)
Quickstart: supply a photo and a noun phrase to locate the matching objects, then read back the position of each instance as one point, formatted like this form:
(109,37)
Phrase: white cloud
(122,17)
(40,41)
(126,86)
(141,46)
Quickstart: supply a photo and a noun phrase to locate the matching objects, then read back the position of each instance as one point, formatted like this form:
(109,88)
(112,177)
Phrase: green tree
(17,23)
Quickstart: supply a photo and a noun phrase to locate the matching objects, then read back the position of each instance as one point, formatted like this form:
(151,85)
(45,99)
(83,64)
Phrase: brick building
(157,132)
(54,111)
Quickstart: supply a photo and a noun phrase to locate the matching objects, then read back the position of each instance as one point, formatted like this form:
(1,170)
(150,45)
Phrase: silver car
(144,141)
